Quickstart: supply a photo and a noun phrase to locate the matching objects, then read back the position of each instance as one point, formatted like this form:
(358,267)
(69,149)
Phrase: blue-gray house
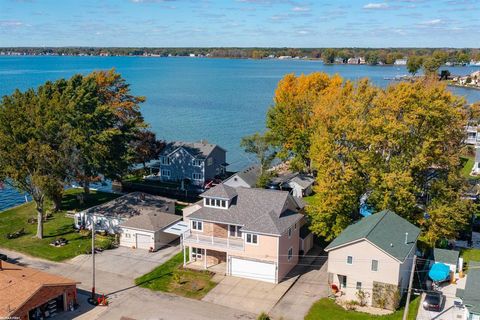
(197,162)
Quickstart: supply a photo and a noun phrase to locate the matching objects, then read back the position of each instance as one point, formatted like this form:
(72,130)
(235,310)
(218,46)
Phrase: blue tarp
(439,272)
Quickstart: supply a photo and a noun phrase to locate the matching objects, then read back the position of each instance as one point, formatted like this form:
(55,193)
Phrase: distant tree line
(329,55)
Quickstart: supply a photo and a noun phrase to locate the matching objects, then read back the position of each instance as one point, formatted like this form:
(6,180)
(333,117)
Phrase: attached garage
(253,269)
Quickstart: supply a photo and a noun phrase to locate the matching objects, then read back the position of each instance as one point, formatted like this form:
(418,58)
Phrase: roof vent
(406,237)
(391,244)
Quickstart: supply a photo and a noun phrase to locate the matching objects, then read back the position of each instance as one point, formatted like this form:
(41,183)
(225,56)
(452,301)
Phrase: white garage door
(144,241)
(257,270)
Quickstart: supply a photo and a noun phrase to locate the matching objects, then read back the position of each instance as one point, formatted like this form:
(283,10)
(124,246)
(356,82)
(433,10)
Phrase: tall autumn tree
(146,147)
(289,120)
(401,145)
(108,125)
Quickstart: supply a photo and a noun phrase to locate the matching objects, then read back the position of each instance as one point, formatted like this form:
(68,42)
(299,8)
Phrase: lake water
(220,100)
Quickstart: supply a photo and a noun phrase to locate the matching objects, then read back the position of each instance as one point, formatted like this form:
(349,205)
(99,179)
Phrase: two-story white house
(374,256)
(253,233)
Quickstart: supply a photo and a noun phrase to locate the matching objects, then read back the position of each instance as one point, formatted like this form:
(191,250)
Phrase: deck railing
(223,243)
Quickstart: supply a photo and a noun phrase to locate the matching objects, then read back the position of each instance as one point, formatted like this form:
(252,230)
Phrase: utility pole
(405,311)
(93,258)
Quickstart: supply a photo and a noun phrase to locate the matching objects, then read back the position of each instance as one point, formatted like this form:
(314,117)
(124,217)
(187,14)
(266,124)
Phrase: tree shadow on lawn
(141,284)
(62,231)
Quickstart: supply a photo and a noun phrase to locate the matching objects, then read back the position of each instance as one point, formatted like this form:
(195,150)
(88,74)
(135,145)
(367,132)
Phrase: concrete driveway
(246,294)
(311,286)
(449,311)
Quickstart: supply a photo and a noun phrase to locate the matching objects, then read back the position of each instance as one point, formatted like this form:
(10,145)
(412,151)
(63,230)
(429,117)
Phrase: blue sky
(244,23)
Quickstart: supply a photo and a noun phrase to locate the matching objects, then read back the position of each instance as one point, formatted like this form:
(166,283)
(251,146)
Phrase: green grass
(328,310)
(470,255)
(58,225)
(172,277)
(467,166)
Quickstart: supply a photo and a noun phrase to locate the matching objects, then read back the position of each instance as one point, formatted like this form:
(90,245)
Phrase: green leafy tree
(372,58)
(33,143)
(414,64)
(261,146)
(328,55)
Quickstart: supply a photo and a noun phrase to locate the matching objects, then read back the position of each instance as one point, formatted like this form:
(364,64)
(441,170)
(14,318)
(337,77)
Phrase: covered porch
(205,259)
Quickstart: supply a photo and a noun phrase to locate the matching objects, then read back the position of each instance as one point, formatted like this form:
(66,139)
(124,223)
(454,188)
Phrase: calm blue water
(220,100)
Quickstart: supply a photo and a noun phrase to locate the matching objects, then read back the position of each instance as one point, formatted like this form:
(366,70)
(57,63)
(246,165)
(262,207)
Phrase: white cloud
(301,9)
(10,23)
(431,22)
(376,6)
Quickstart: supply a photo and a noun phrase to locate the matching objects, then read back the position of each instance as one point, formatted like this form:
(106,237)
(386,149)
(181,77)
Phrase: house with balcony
(246,232)
(195,162)
(373,256)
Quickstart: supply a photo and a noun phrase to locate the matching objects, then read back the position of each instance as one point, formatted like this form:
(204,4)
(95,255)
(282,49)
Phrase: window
(207,201)
(165,160)
(295,227)
(374,265)
(359,285)
(349,260)
(197,162)
(220,203)
(209,161)
(165,173)
(127,235)
(197,176)
(234,231)
(197,225)
(343,281)
(289,232)
(290,254)
(251,238)
(197,253)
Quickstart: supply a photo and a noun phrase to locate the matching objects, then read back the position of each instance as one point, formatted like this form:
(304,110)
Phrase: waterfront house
(247,177)
(356,60)
(140,219)
(470,296)
(246,232)
(400,62)
(195,162)
(298,184)
(373,256)
(447,257)
(27,293)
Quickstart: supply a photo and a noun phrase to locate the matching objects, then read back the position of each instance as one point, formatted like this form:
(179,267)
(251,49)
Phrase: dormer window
(216,203)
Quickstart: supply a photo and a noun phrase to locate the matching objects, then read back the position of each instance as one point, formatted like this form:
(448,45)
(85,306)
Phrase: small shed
(447,257)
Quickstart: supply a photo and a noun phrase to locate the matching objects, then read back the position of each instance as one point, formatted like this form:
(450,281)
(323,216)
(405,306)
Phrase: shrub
(263,316)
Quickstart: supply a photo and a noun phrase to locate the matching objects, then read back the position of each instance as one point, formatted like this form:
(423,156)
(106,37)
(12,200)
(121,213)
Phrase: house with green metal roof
(471,294)
(373,255)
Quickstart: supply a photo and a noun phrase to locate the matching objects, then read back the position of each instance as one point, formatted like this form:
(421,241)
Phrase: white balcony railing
(222,243)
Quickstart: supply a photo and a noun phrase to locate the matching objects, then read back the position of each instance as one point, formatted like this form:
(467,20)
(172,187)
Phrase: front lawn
(470,255)
(327,309)
(57,226)
(467,166)
(172,277)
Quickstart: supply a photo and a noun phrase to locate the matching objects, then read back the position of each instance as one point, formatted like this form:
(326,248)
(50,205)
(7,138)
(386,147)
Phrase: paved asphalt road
(115,272)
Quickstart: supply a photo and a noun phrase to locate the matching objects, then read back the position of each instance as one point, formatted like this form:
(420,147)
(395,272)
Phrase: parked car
(434,301)
(3,257)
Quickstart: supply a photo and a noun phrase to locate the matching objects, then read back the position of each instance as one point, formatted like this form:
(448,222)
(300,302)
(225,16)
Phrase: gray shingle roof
(197,149)
(249,175)
(221,191)
(385,229)
(471,295)
(257,210)
(446,256)
(303,181)
(132,204)
(153,221)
